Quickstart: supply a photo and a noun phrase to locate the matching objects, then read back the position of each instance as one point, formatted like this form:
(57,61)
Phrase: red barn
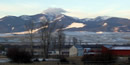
(118,50)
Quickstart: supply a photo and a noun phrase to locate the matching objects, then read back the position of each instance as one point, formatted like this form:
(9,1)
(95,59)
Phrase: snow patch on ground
(20,33)
(13,28)
(27,32)
(105,24)
(100,32)
(75,25)
(59,18)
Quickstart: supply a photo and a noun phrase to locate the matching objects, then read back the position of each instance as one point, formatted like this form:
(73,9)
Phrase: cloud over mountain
(54,11)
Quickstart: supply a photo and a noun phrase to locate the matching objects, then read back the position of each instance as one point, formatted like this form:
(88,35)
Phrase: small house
(76,50)
(80,50)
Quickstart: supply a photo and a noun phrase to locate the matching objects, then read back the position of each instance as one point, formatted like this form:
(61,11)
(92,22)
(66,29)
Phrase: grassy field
(73,61)
(39,63)
(36,63)
(55,63)
(1,56)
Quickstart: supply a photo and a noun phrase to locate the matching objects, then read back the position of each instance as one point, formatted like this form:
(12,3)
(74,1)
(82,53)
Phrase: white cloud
(54,11)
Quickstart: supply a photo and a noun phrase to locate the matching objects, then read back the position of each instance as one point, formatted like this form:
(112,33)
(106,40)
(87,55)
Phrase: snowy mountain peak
(102,18)
(9,16)
(99,18)
(25,17)
(88,19)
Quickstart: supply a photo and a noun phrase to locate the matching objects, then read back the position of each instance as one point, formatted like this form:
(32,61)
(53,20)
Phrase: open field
(37,63)
(1,56)
(73,61)
(89,37)
(55,63)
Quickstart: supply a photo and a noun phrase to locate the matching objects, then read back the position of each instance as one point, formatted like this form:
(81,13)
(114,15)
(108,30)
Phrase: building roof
(78,46)
(88,46)
(108,46)
(91,46)
(120,48)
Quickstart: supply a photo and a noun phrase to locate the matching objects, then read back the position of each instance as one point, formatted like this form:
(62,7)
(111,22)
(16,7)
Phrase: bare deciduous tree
(60,40)
(75,40)
(80,42)
(30,28)
(46,37)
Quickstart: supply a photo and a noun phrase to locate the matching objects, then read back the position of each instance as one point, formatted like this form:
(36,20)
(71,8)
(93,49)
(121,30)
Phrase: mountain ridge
(9,24)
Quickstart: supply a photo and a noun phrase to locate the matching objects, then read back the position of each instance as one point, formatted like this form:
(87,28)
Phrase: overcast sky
(76,8)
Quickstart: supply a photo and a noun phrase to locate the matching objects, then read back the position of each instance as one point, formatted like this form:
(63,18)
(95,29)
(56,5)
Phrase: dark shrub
(64,60)
(19,56)
(98,57)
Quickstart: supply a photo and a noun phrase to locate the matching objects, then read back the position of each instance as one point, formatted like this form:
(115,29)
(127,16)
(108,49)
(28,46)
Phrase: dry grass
(55,63)
(1,56)
(73,61)
(37,63)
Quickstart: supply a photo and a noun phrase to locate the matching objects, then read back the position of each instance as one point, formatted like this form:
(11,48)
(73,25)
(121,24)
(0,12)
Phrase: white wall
(73,51)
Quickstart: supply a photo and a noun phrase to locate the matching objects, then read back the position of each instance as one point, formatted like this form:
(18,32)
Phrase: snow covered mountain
(11,24)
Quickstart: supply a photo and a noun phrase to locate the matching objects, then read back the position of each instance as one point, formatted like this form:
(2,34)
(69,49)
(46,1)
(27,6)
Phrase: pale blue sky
(76,8)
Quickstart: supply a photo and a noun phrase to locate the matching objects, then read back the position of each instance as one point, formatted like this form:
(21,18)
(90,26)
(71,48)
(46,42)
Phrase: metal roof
(118,47)
(78,46)
(108,46)
(88,46)
(91,46)
(121,48)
